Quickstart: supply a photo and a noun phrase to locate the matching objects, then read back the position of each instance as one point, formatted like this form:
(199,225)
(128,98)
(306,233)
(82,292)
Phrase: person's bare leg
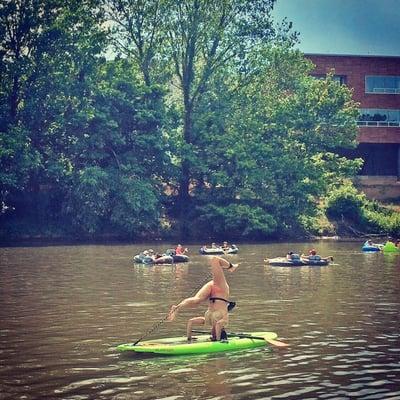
(218,264)
(191,322)
(202,295)
(213,334)
(219,326)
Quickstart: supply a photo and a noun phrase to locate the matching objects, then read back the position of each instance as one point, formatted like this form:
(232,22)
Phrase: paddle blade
(276,343)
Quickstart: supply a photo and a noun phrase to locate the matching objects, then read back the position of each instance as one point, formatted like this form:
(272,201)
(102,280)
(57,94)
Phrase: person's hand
(172,313)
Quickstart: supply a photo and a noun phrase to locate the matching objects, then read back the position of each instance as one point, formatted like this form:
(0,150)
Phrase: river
(64,309)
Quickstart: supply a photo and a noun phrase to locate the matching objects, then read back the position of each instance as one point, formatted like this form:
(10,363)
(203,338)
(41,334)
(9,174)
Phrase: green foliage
(367,215)
(318,224)
(269,144)
(107,201)
(346,201)
(235,221)
(90,199)
(206,114)
(136,206)
(191,43)
(385,221)
(123,155)
(83,140)
(16,158)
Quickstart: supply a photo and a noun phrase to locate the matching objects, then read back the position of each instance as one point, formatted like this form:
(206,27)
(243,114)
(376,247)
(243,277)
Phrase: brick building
(376,86)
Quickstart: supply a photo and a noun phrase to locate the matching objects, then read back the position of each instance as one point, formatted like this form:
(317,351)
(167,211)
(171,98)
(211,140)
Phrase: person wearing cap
(216,292)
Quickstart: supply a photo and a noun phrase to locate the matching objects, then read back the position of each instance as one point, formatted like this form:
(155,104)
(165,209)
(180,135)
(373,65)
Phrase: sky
(359,27)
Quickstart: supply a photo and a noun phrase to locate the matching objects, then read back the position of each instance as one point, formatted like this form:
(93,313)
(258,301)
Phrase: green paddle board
(201,345)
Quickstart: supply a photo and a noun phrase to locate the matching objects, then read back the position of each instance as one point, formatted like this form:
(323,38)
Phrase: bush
(318,225)
(370,216)
(345,202)
(387,222)
(236,220)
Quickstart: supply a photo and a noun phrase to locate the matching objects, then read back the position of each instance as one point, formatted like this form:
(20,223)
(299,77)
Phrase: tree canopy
(153,118)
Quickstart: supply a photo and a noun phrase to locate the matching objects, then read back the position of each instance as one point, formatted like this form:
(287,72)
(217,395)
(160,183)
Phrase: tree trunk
(14,96)
(184,187)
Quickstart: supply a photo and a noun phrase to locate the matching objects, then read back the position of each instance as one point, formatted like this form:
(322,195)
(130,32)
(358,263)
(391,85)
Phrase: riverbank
(115,240)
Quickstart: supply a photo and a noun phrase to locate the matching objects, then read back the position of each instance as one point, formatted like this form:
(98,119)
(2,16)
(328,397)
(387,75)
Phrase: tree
(21,26)
(197,38)
(138,33)
(83,140)
(121,160)
(277,148)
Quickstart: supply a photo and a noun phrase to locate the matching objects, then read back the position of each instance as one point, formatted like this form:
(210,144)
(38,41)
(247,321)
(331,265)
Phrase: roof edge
(349,55)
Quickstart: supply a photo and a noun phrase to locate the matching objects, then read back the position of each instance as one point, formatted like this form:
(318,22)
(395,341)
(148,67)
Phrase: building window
(342,79)
(382,84)
(378,117)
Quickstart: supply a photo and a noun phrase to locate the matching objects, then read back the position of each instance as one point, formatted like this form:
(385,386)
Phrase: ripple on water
(71,387)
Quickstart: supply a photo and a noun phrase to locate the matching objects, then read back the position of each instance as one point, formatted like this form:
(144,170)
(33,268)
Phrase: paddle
(274,342)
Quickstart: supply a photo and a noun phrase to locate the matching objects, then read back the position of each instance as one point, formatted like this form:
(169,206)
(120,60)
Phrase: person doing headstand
(216,292)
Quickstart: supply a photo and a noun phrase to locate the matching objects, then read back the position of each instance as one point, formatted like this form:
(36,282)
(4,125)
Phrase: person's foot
(224,336)
(233,268)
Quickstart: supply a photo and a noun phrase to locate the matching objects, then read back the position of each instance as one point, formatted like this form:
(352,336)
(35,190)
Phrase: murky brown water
(64,309)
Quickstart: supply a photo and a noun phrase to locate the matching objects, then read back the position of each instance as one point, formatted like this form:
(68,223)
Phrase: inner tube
(164,260)
(371,248)
(212,251)
(179,258)
(284,262)
(218,250)
(320,262)
(142,259)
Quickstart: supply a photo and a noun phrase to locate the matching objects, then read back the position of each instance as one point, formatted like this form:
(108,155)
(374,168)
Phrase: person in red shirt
(180,250)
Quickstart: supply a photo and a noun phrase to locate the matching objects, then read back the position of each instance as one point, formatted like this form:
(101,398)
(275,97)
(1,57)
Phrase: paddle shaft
(239,335)
(244,336)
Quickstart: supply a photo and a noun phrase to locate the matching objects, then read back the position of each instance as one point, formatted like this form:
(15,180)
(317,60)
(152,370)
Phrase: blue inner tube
(370,248)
